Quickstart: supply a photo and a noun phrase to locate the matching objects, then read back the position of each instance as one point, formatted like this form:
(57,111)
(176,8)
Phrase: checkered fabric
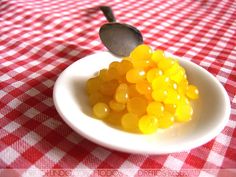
(39,39)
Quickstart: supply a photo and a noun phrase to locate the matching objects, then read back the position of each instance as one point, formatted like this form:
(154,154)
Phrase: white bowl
(211,111)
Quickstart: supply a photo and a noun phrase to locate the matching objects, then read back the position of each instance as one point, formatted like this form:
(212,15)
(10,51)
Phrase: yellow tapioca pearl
(183,112)
(124,67)
(157,56)
(149,97)
(192,92)
(150,66)
(155,108)
(135,75)
(148,124)
(112,73)
(172,97)
(165,63)
(159,94)
(141,52)
(137,105)
(109,88)
(103,75)
(101,110)
(114,64)
(107,75)
(92,85)
(142,63)
(153,73)
(144,87)
(95,97)
(122,79)
(170,108)
(160,82)
(114,105)
(178,76)
(171,85)
(133,91)
(122,93)
(183,100)
(129,122)
(114,118)
(167,120)
(182,87)
(106,99)
(173,69)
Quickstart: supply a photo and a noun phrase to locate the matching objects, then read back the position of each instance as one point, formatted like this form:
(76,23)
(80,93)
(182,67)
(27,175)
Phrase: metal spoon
(119,38)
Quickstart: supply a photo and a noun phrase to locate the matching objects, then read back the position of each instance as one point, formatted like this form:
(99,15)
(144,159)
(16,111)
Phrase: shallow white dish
(211,111)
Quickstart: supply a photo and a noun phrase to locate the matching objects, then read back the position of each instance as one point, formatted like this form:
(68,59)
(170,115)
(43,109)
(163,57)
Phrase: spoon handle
(107,11)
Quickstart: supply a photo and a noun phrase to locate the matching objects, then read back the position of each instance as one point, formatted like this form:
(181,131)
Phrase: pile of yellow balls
(143,92)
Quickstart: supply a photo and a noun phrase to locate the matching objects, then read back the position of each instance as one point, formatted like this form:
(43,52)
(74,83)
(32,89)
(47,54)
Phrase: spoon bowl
(211,111)
(119,38)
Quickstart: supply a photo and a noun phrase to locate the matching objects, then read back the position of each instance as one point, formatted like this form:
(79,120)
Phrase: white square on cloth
(8,155)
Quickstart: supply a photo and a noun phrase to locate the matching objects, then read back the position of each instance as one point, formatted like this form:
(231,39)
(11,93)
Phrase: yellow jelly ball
(172,97)
(141,52)
(160,82)
(144,87)
(165,63)
(116,106)
(135,75)
(109,87)
(114,118)
(137,105)
(101,110)
(170,108)
(160,94)
(157,56)
(129,122)
(153,73)
(148,124)
(167,120)
(133,91)
(103,75)
(92,85)
(122,93)
(173,69)
(178,76)
(95,97)
(184,112)
(144,64)
(183,100)
(112,73)
(124,67)
(155,108)
(114,64)
(192,92)
(182,87)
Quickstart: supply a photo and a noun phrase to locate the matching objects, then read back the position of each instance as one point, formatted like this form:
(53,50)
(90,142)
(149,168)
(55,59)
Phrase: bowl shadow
(78,87)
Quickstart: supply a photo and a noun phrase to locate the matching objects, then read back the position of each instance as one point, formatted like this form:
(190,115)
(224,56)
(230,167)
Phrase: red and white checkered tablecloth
(39,39)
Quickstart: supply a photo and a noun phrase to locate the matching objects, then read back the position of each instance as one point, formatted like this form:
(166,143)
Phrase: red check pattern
(39,39)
